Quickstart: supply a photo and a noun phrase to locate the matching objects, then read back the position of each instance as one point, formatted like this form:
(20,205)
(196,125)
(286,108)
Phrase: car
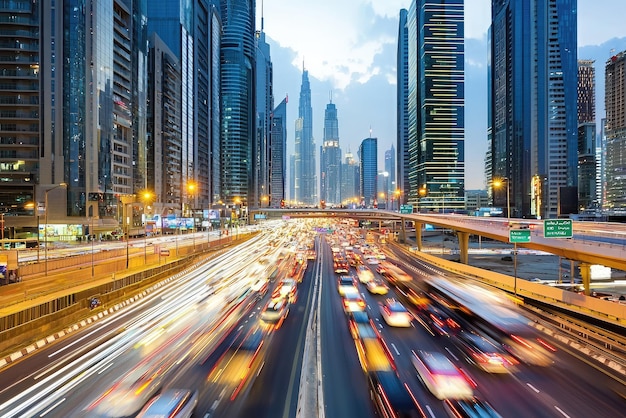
(275,312)
(352,301)
(346,284)
(287,288)
(391,398)
(440,376)
(377,287)
(485,354)
(437,321)
(360,325)
(469,408)
(341,265)
(173,403)
(395,314)
(364,274)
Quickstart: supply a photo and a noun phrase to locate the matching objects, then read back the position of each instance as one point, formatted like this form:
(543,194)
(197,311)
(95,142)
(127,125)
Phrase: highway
(191,333)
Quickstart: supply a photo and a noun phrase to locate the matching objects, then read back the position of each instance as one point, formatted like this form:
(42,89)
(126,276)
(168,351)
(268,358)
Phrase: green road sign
(519,235)
(557,228)
(406,209)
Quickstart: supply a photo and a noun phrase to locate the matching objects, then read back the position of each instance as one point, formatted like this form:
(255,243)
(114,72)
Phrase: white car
(395,314)
(440,376)
(353,302)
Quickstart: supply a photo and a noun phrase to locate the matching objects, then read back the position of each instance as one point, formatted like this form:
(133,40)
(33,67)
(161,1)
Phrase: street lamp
(421,192)
(146,197)
(499,183)
(45,230)
(191,189)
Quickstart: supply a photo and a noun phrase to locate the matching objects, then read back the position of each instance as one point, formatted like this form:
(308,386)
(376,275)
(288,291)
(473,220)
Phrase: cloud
(336,40)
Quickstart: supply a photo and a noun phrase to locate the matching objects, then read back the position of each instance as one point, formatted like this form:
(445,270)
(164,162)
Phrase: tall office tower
(215,111)
(306,179)
(534,135)
(101,148)
(587,198)
(436,103)
(390,167)
(264,104)
(184,28)
(600,166)
(25,135)
(238,98)
(615,145)
(292,178)
(368,156)
(330,158)
(278,154)
(350,181)
(402,111)
(164,147)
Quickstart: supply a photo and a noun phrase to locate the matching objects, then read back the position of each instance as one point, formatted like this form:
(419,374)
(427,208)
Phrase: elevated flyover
(609,253)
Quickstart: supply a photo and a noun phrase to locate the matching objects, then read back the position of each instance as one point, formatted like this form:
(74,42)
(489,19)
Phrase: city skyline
(365,94)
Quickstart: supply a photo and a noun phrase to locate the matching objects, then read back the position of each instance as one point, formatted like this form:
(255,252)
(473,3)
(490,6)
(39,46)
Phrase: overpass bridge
(609,250)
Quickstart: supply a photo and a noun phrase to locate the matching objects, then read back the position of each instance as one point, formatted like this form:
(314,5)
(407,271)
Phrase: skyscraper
(330,172)
(534,128)
(264,105)
(436,103)
(164,150)
(278,157)
(586,135)
(238,98)
(614,98)
(350,181)
(402,112)
(306,179)
(368,156)
(390,167)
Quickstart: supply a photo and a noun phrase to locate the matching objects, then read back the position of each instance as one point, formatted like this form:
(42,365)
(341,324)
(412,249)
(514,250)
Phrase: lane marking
(533,388)
(561,411)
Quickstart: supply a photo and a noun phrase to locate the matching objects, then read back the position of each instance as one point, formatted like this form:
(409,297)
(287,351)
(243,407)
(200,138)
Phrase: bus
(492,315)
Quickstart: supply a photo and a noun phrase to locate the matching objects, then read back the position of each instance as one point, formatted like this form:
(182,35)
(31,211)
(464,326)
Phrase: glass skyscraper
(532,119)
(264,105)
(615,139)
(330,173)
(402,113)
(436,103)
(278,158)
(238,99)
(305,166)
(368,156)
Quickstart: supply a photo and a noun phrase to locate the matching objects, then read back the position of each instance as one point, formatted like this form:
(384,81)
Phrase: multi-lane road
(190,333)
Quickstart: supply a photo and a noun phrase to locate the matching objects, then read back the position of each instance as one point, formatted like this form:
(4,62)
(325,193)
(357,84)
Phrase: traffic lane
(275,391)
(344,383)
(538,394)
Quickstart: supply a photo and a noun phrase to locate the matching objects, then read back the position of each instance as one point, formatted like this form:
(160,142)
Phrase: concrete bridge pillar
(585,274)
(402,232)
(463,246)
(419,226)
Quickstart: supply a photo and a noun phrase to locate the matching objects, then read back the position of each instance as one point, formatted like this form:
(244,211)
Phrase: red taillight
(546,345)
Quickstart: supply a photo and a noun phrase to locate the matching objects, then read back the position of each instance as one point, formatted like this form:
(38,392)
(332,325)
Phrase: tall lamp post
(147,198)
(45,229)
(191,189)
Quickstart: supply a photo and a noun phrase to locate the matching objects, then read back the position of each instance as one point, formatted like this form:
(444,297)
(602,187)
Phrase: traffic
(227,338)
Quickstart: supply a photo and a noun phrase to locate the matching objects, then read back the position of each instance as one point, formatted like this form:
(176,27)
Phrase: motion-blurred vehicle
(341,265)
(469,408)
(352,301)
(437,321)
(359,323)
(391,398)
(346,284)
(440,376)
(377,287)
(484,354)
(364,274)
(287,288)
(275,312)
(395,314)
(171,403)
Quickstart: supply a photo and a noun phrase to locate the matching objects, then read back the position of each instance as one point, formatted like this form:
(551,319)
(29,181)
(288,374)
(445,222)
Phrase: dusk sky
(349,49)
